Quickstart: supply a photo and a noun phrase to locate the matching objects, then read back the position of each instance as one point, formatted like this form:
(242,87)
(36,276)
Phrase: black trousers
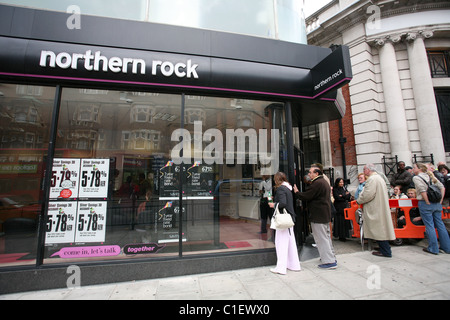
(266,213)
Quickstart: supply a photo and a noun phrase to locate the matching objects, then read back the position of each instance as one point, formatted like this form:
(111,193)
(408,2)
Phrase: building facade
(135,149)
(398,98)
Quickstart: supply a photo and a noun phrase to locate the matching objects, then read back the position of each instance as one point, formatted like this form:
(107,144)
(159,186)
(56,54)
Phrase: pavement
(411,274)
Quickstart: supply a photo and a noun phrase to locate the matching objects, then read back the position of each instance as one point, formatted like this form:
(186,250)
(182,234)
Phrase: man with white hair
(376,212)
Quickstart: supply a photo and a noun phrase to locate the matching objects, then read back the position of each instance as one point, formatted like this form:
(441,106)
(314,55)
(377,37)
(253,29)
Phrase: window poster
(94,178)
(75,213)
(91,221)
(199,180)
(60,224)
(65,179)
(168,221)
(169,180)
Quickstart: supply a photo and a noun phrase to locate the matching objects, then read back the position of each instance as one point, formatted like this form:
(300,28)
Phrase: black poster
(169,180)
(198,180)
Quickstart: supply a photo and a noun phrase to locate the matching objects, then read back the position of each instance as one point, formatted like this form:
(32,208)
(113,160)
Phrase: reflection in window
(81,139)
(165,116)
(227,145)
(142,113)
(25,90)
(143,140)
(245,120)
(194,114)
(86,114)
(25,116)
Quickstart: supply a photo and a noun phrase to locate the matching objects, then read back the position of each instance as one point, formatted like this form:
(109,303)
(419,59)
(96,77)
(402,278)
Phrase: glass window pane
(291,21)
(276,19)
(253,17)
(121,9)
(116,181)
(231,149)
(115,157)
(25,116)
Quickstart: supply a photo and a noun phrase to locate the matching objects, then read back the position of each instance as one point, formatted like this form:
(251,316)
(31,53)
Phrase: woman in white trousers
(285,245)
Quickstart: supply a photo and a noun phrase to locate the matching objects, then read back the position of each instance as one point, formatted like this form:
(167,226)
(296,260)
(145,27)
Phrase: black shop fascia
(123,54)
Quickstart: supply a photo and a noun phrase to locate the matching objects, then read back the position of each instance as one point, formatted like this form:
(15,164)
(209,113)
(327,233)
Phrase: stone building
(398,102)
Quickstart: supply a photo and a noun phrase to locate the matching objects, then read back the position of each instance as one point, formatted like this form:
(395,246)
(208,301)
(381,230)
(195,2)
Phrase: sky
(312,6)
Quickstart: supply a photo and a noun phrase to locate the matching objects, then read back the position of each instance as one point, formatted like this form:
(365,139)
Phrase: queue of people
(318,197)
(326,204)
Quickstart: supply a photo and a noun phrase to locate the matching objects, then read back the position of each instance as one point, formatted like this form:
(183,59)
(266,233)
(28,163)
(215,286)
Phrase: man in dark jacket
(318,197)
(403,177)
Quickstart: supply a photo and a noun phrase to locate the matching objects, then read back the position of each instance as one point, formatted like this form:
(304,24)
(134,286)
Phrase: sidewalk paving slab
(409,274)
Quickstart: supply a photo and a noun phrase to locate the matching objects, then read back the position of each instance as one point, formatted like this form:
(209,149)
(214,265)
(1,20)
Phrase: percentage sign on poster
(94,178)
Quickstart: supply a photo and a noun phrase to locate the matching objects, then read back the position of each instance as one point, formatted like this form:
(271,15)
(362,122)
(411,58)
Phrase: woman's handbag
(281,220)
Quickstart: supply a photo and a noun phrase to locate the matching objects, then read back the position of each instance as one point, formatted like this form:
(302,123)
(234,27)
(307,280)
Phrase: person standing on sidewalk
(430,212)
(341,199)
(376,212)
(285,244)
(318,197)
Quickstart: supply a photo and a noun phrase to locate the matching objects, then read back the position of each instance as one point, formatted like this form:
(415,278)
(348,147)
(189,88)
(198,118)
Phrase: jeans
(385,248)
(432,218)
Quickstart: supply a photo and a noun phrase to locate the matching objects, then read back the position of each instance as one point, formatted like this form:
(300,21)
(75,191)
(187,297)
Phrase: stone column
(430,132)
(393,99)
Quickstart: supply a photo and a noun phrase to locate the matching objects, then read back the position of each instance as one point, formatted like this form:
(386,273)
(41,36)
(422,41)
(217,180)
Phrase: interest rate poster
(94,178)
(65,179)
(75,212)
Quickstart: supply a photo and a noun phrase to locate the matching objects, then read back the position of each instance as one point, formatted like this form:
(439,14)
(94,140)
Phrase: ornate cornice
(424,34)
(401,37)
(333,27)
(381,41)
(392,8)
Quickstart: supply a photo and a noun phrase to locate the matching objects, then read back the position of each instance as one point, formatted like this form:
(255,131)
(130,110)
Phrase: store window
(234,143)
(117,182)
(25,122)
(115,144)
